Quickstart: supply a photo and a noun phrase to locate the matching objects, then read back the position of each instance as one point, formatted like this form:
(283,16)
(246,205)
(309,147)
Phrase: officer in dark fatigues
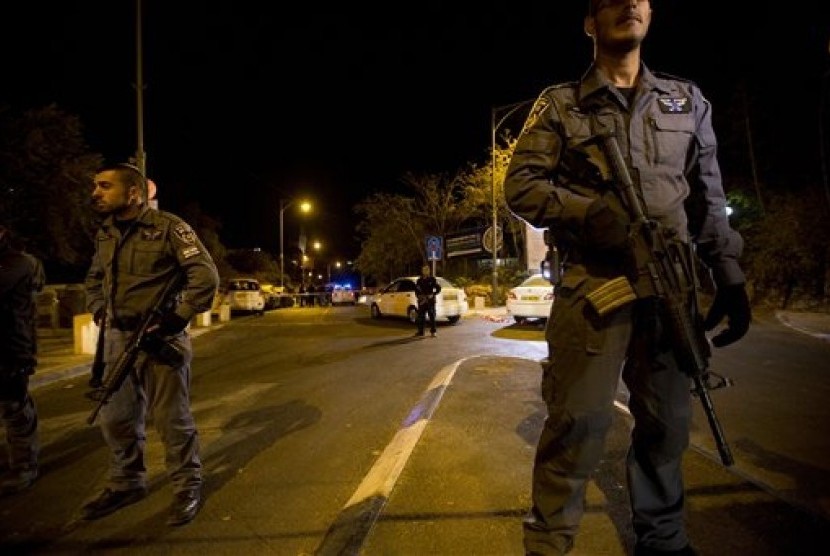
(559,178)
(426,288)
(138,251)
(21,277)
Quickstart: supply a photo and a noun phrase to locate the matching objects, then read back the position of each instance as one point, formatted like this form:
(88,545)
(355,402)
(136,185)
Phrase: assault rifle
(98,365)
(139,342)
(665,266)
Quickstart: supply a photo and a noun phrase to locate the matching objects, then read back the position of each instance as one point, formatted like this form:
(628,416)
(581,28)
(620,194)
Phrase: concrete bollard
(201,319)
(478,302)
(84,334)
(225,312)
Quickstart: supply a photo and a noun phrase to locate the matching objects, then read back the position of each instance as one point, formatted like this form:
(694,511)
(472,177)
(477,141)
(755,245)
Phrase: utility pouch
(611,296)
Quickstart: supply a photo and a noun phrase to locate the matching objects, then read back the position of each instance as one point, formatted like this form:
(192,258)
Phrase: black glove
(604,228)
(731,302)
(171,324)
(155,343)
(99,315)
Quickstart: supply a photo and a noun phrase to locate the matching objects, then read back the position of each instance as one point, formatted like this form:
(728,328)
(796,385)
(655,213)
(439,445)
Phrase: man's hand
(170,324)
(155,344)
(99,316)
(733,303)
(604,228)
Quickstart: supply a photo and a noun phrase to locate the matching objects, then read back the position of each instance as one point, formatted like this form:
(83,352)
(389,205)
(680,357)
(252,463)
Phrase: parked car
(343,295)
(271,295)
(532,299)
(398,299)
(244,295)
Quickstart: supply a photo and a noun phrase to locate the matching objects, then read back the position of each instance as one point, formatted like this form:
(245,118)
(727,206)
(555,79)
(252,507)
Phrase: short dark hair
(131,173)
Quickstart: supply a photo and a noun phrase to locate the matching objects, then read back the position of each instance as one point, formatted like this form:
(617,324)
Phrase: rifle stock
(668,269)
(128,358)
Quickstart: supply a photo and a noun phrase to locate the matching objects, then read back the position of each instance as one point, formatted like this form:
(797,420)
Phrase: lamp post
(305,206)
(494,126)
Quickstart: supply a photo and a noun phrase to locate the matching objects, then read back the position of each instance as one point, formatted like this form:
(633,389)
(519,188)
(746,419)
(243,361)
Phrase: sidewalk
(58,361)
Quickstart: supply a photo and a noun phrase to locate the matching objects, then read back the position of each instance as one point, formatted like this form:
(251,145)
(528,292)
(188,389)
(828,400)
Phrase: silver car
(398,299)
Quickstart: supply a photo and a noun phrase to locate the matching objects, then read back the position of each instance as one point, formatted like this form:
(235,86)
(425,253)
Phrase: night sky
(336,102)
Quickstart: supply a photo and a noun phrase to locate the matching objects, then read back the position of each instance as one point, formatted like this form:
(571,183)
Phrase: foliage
(393,227)
(208,228)
(254,263)
(45,180)
(788,247)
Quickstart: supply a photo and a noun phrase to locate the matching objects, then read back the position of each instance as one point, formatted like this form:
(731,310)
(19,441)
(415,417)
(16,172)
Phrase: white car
(398,299)
(532,299)
(244,295)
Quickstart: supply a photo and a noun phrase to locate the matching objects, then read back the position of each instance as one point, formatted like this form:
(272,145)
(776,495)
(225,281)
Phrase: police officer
(21,277)
(426,288)
(138,250)
(559,178)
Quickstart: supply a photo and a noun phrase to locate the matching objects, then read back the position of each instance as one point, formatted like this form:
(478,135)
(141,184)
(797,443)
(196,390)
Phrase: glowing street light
(305,207)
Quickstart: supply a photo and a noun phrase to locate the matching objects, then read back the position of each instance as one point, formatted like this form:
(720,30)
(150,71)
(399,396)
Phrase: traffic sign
(487,240)
(435,250)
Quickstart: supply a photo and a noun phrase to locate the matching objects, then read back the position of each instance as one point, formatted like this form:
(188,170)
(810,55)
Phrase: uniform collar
(142,219)
(593,82)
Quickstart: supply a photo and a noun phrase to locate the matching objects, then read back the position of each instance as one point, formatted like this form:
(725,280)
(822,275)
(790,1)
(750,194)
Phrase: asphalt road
(324,431)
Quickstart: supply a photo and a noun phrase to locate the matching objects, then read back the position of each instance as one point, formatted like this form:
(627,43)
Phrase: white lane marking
(384,474)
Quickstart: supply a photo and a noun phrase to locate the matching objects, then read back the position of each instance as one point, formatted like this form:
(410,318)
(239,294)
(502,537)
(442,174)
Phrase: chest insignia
(151,234)
(674,105)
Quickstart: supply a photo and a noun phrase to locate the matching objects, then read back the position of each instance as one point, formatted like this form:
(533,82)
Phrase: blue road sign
(434,248)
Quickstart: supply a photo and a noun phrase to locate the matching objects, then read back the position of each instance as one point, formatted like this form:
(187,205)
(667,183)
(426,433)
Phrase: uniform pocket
(147,259)
(672,135)
(574,324)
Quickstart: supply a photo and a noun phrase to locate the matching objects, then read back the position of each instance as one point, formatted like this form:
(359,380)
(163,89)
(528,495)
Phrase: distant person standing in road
(426,288)
(559,178)
(138,251)
(21,278)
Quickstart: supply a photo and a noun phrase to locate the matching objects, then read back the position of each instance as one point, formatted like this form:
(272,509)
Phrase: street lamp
(305,206)
(494,126)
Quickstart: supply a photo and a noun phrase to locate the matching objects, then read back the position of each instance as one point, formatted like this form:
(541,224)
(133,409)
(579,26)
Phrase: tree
(46,170)
(208,228)
(787,249)
(390,236)
(394,227)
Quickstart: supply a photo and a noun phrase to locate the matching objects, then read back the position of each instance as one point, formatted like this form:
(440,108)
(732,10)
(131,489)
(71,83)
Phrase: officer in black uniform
(21,277)
(138,251)
(426,288)
(559,178)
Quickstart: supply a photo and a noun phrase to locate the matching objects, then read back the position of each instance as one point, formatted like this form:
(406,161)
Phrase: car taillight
(511,295)
(549,296)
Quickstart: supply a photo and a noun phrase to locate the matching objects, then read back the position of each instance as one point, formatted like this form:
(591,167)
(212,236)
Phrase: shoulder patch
(191,251)
(184,233)
(539,106)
